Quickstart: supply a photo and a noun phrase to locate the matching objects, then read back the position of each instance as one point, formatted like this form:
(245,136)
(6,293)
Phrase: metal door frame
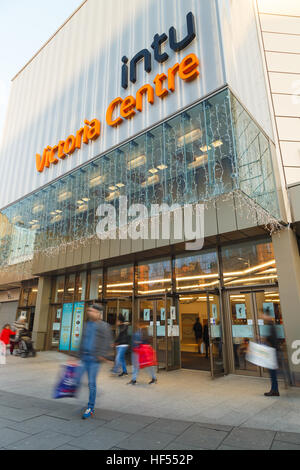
(252,290)
(212,369)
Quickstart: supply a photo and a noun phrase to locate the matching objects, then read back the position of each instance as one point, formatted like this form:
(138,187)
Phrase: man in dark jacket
(272,341)
(94,348)
(198,332)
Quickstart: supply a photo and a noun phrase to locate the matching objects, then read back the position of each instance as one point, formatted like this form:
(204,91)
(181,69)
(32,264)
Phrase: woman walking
(121,343)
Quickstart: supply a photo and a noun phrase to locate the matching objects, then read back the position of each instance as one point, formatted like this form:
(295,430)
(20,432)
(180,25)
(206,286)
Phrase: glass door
(160,318)
(248,324)
(244,330)
(215,333)
(114,307)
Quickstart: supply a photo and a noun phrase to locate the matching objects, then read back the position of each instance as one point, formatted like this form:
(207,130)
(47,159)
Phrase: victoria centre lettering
(120,109)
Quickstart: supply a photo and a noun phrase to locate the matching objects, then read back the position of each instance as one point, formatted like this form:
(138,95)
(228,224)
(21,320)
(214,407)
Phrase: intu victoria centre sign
(120,110)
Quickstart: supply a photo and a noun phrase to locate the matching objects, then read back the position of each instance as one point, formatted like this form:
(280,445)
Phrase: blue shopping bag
(67,385)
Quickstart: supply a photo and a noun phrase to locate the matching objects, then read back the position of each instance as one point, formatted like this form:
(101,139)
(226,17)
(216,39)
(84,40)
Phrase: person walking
(206,338)
(121,343)
(94,347)
(272,341)
(5,335)
(198,332)
(140,337)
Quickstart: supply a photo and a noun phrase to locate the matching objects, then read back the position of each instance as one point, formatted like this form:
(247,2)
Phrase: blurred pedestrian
(140,337)
(206,338)
(198,332)
(5,335)
(272,341)
(121,344)
(94,348)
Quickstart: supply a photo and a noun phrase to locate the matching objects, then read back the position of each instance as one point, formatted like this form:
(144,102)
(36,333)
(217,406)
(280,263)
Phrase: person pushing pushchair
(23,342)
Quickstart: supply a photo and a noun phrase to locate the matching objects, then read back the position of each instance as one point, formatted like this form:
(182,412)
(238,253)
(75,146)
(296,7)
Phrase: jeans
(136,367)
(120,359)
(92,368)
(274,383)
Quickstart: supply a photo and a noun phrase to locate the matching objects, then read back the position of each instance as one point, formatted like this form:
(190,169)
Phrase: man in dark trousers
(198,332)
(95,346)
(272,341)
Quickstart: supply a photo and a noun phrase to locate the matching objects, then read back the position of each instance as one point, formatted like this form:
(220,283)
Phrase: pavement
(185,410)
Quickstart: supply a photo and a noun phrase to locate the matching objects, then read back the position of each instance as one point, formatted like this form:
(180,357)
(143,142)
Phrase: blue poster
(269,307)
(77,325)
(66,324)
(240,310)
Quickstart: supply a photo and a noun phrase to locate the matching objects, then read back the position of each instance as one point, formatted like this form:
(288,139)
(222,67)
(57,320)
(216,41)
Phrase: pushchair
(24,345)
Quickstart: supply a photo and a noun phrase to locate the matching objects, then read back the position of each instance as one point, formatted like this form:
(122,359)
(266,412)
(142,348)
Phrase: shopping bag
(147,356)
(67,385)
(262,355)
(2,353)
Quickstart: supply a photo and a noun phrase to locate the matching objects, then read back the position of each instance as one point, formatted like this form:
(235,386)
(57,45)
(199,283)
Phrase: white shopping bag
(262,355)
(2,353)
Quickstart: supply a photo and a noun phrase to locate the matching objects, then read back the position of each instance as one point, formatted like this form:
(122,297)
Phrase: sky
(25,25)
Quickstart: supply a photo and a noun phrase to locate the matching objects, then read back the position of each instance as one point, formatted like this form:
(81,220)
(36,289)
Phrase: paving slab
(9,436)
(99,439)
(201,437)
(146,440)
(250,438)
(290,437)
(169,426)
(45,440)
(279,445)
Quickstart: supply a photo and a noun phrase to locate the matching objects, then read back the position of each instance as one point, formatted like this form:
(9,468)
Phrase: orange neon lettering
(94,132)
(52,158)
(70,144)
(188,68)
(40,162)
(61,153)
(171,77)
(79,138)
(109,113)
(158,81)
(139,96)
(127,107)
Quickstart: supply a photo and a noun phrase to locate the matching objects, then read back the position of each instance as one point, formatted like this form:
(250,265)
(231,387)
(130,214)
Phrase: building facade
(141,113)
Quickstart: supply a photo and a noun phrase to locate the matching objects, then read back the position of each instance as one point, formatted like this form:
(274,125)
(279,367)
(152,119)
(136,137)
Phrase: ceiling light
(217,143)
(205,148)
(199,161)
(97,180)
(80,202)
(64,196)
(85,199)
(58,211)
(136,162)
(120,185)
(82,208)
(162,167)
(112,196)
(151,180)
(57,218)
(37,208)
(113,188)
(189,137)
(153,171)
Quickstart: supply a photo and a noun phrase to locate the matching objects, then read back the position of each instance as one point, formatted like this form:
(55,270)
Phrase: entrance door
(215,335)
(160,318)
(114,307)
(247,308)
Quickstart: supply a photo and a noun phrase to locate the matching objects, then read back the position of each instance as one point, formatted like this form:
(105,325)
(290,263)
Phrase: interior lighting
(151,180)
(37,208)
(64,196)
(97,180)
(199,161)
(136,162)
(189,137)
(162,167)
(205,148)
(217,143)
(153,171)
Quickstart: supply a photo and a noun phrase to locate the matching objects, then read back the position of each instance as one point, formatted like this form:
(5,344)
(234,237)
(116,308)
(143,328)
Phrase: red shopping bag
(147,356)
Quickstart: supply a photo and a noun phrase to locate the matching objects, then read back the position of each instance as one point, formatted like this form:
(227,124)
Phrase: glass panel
(55,327)
(250,263)
(119,281)
(216,336)
(147,316)
(32,295)
(194,335)
(70,288)
(24,297)
(154,277)
(196,272)
(58,293)
(96,282)
(243,329)
(80,288)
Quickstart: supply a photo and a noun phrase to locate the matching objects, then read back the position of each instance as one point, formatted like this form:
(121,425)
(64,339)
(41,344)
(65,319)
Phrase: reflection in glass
(197,272)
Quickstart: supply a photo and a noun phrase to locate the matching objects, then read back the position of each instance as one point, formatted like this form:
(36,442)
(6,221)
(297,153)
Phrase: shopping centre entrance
(201,332)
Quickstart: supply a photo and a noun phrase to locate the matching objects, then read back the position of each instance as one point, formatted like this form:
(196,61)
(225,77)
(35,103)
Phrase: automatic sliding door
(215,335)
